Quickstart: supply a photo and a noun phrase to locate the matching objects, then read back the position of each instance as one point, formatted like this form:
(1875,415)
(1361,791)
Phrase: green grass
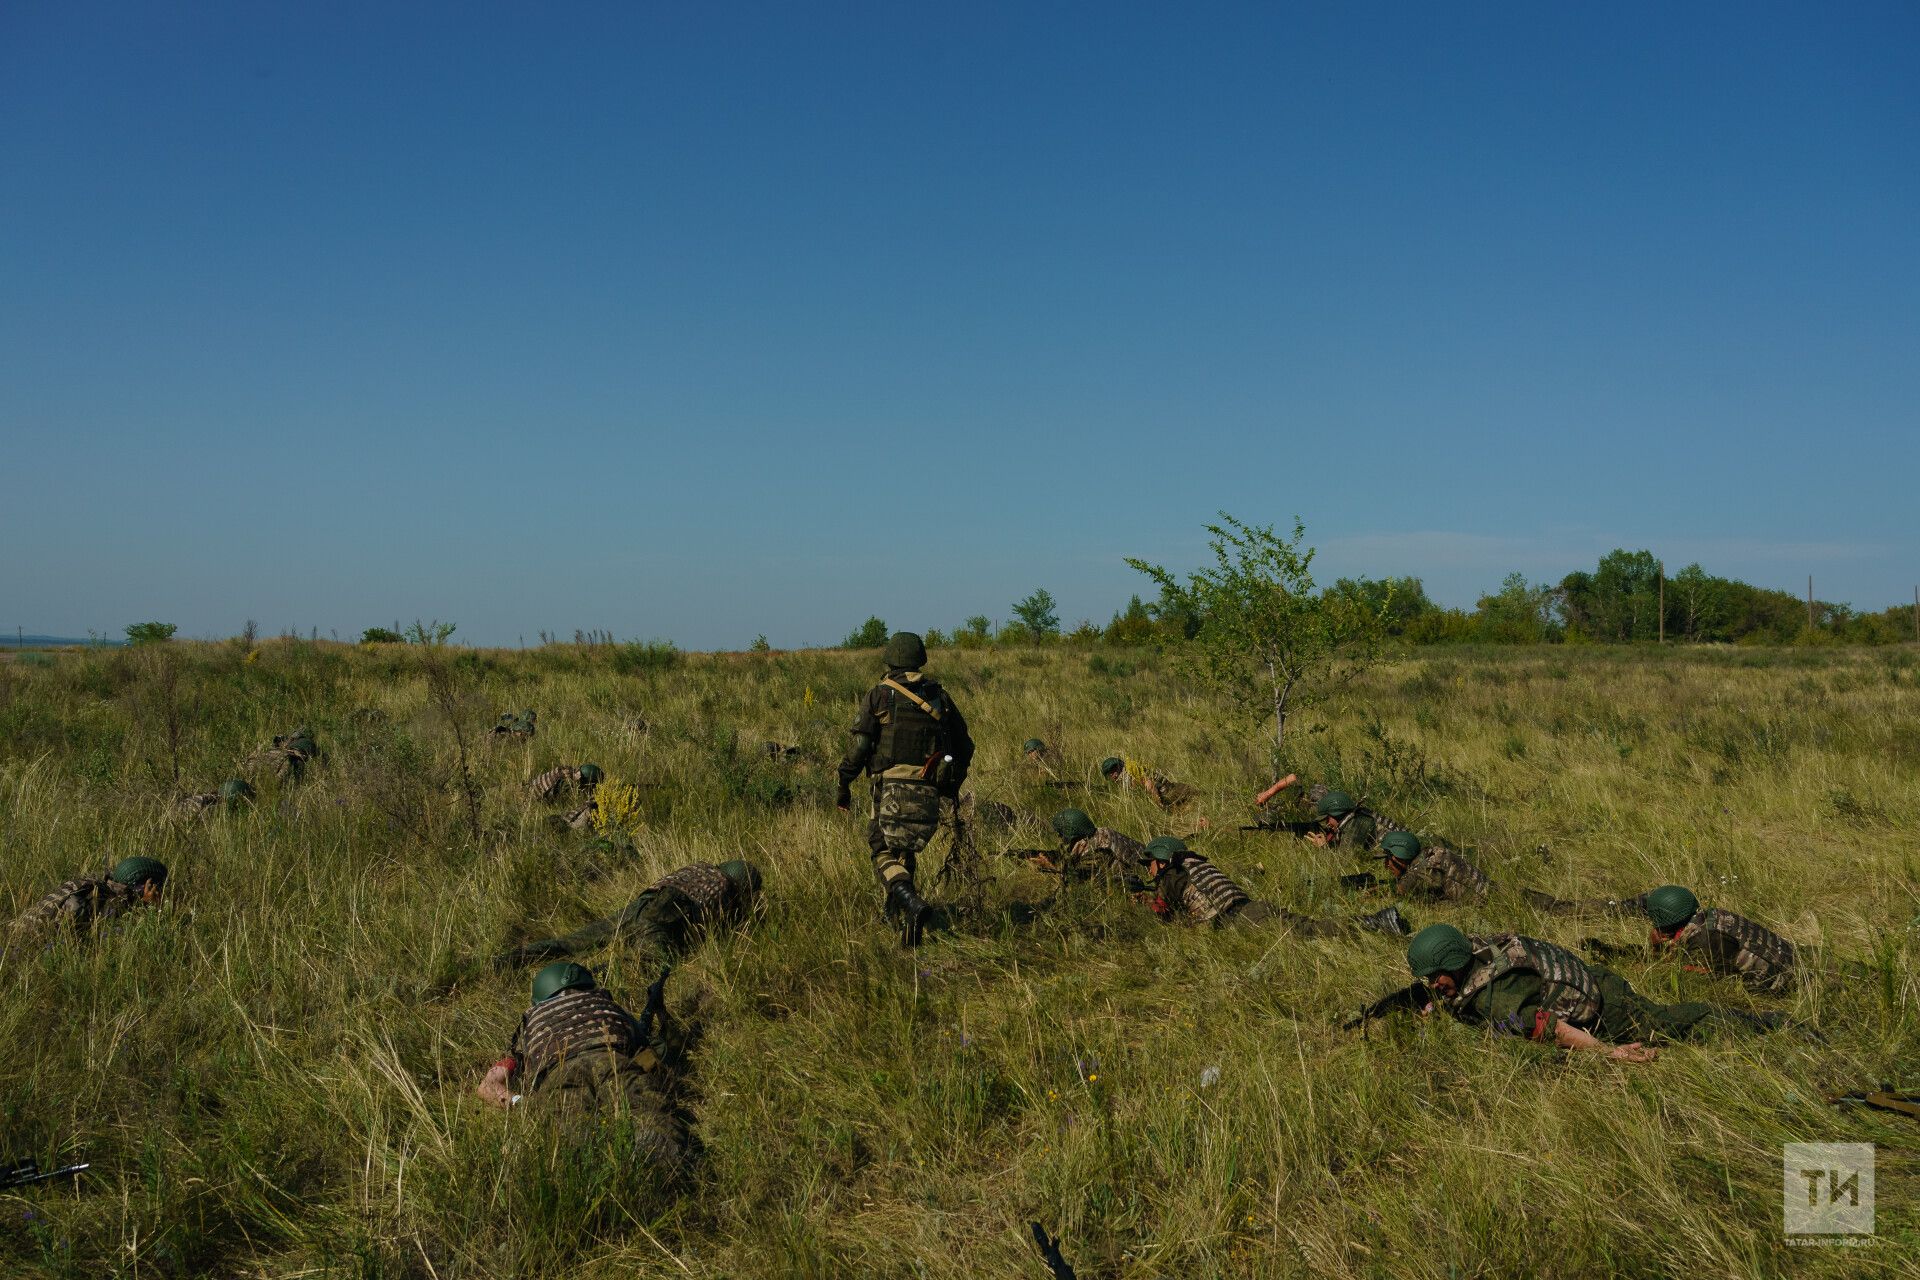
(273,1075)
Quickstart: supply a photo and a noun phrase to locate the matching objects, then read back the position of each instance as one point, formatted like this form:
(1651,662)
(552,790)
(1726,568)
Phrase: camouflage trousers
(661,920)
(597,1088)
(1627,1016)
(906,814)
(1265,913)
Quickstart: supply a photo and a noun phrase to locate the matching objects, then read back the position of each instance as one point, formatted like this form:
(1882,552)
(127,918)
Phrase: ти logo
(1827,1190)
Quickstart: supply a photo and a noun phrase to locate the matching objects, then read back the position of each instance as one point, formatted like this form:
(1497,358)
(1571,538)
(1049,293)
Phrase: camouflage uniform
(666,918)
(510,725)
(194,806)
(1722,942)
(561,780)
(580,1056)
(1440,873)
(1197,891)
(1521,986)
(1164,791)
(1106,851)
(291,753)
(77,905)
(898,743)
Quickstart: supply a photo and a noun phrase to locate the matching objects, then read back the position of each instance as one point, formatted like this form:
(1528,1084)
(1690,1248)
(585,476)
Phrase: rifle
(1302,828)
(28,1171)
(1885,1098)
(1413,997)
(1360,882)
(1604,950)
(1050,1253)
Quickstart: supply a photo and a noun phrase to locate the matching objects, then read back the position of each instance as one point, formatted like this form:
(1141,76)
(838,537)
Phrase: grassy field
(273,1074)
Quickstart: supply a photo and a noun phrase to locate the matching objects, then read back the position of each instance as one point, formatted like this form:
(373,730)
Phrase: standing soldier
(578,1054)
(666,918)
(1521,986)
(81,902)
(1191,888)
(912,743)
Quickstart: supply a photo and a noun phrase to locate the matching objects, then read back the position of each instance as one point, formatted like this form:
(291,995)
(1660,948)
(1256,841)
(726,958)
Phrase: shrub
(871,634)
(381,635)
(645,655)
(150,632)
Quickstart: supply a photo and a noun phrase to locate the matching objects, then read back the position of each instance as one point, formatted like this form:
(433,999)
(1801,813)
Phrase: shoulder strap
(912,697)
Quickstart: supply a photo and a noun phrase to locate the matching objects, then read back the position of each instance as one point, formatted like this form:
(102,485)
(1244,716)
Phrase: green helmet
(1032,745)
(1438,948)
(136,871)
(562,975)
(1401,846)
(1671,905)
(236,791)
(1165,849)
(744,875)
(1112,765)
(1072,824)
(592,775)
(906,651)
(1335,804)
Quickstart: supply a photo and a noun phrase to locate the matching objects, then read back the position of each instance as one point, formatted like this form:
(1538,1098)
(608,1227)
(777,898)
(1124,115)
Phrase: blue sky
(703,321)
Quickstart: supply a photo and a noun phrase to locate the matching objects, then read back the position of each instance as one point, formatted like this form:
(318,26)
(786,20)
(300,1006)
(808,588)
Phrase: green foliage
(637,656)
(150,632)
(1130,626)
(975,632)
(760,645)
(1038,614)
(381,635)
(429,634)
(871,634)
(1264,637)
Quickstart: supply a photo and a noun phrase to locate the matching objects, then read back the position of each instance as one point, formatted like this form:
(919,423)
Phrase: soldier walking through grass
(911,741)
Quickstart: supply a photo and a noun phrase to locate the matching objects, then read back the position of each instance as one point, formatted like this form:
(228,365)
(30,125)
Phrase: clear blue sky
(701,321)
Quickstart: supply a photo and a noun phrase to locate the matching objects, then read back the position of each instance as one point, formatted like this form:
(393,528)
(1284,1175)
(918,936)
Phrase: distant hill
(14,640)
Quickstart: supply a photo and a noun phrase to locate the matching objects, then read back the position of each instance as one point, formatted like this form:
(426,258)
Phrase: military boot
(1387,920)
(906,911)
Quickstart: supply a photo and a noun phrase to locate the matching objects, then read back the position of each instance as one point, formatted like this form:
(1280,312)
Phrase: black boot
(1387,920)
(907,911)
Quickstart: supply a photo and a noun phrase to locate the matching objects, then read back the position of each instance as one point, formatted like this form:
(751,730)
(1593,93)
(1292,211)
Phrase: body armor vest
(1443,873)
(910,734)
(705,884)
(1568,988)
(1208,894)
(1759,956)
(570,1024)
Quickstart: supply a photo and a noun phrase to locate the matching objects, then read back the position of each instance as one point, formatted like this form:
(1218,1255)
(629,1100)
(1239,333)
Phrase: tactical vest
(1442,872)
(1568,988)
(1208,894)
(911,734)
(1761,957)
(570,1024)
(79,903)
(1107,849)
(706,884)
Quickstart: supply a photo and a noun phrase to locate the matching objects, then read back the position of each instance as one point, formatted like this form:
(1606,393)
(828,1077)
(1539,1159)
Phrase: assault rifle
(1601,949)
(1360,882)
(1050,1253)
(28,1171)
(1305,827)
(1885,1098)
(1413,997)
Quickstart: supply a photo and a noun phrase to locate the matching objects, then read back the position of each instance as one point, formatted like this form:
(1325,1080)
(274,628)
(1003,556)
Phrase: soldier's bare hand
(494,1088)
(1635,1052)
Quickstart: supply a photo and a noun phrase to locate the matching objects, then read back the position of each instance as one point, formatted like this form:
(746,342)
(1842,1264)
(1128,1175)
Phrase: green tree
(1132,625)
(150,632)
(1265,637)
(1039,613)
(380,635)
(1518,613)
(871,634)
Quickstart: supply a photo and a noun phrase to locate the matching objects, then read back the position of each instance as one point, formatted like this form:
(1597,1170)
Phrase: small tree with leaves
(1039,613)
(871,634)
(1264,636)
(150,632)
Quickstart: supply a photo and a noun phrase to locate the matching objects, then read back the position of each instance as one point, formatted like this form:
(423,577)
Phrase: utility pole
(1809,602)
(1663,601)
(1916,613)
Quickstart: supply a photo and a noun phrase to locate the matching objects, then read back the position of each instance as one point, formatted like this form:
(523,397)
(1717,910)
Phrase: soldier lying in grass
(1188,887)
(1713,940)
(79,904)
(1520,986)
(666,919)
